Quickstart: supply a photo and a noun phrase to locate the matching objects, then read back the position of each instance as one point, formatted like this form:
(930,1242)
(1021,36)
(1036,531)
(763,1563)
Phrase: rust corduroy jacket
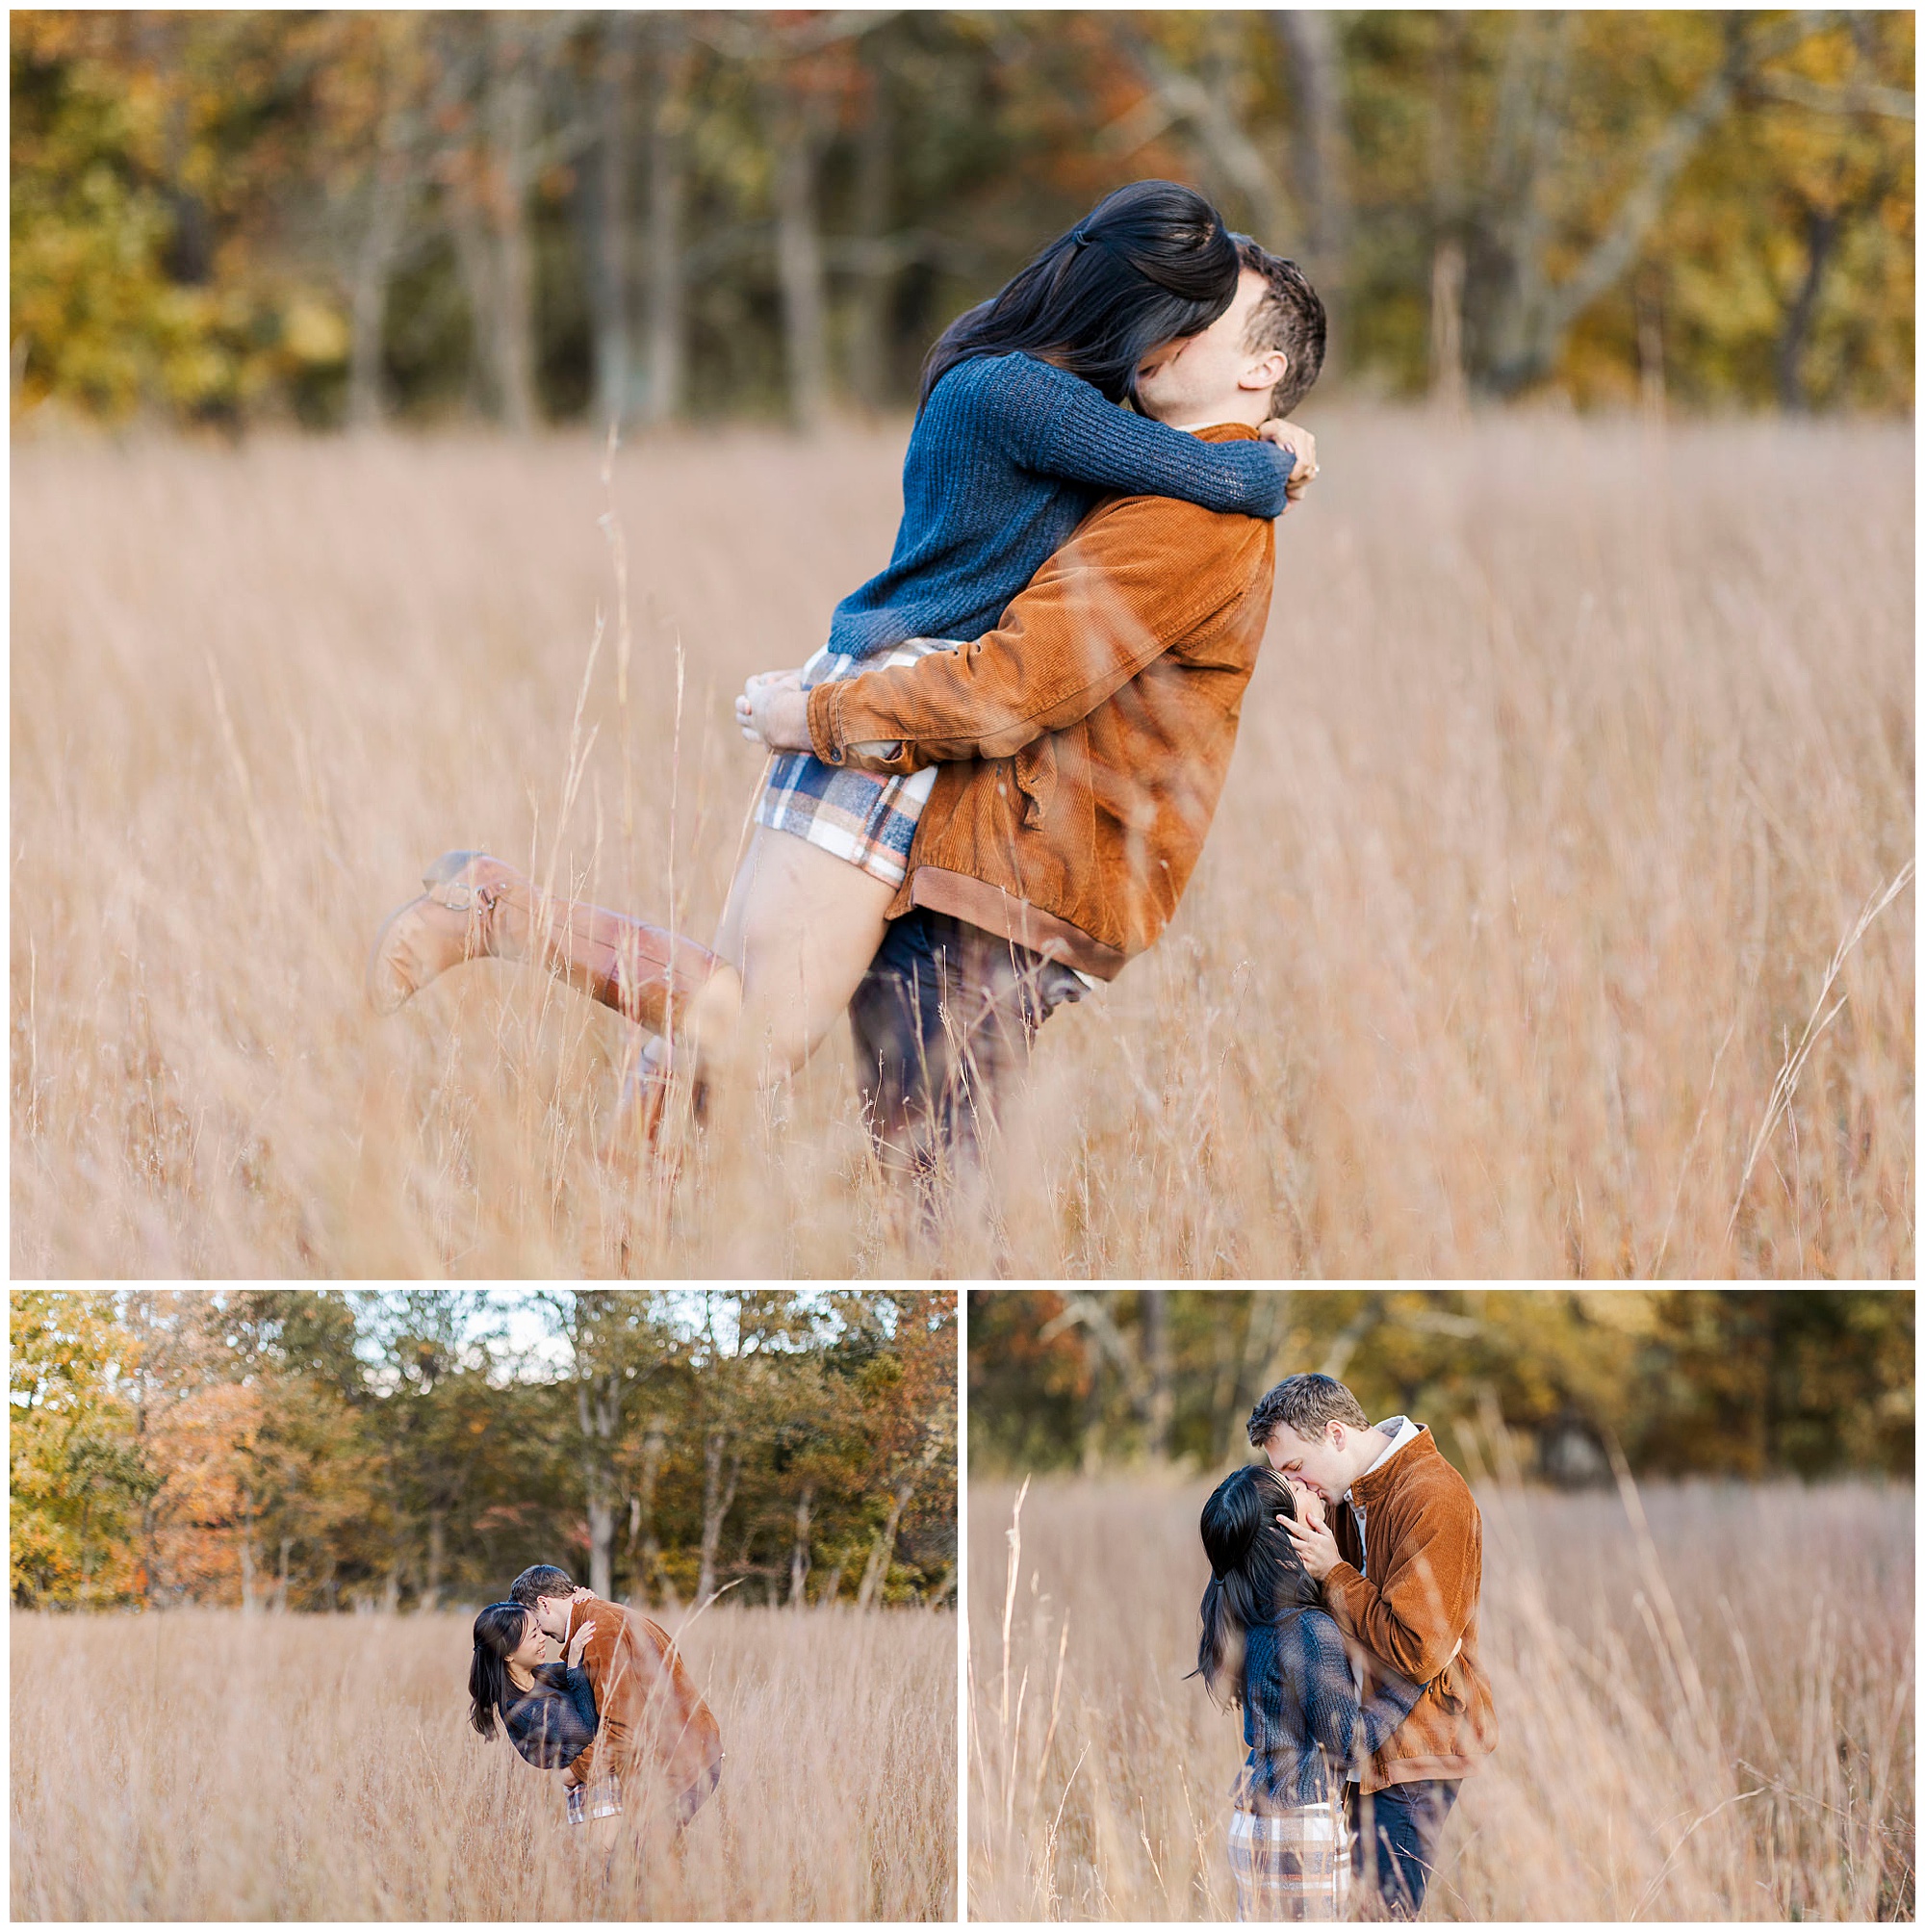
(1083,743)
(1415,1598)
(646,1707)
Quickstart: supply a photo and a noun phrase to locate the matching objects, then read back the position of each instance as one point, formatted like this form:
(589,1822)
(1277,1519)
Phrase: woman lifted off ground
(1018,433)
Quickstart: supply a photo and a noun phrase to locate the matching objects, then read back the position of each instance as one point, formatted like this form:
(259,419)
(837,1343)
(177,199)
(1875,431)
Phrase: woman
(547,1710)
(1268,1646)
(1017,435)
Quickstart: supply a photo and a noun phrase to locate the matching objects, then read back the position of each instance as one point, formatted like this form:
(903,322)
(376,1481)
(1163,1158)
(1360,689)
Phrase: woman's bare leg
(800,926)
(796,936)
(799,929)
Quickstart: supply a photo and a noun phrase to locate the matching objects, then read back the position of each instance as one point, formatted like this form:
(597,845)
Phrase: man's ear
(1266,373)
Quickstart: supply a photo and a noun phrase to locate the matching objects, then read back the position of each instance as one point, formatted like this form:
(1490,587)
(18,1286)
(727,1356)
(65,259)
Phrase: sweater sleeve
(556,1717)
(1323,1687)
(581,1695)
(1060,426)
(1328,1694)
(1141,574)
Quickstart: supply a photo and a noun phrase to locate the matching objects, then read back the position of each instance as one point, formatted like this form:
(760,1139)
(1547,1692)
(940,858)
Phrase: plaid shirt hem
(863,817)
(1293,1866)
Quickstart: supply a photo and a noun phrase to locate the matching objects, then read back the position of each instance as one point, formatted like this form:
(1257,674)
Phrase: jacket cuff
(1337,1588)
(825,724)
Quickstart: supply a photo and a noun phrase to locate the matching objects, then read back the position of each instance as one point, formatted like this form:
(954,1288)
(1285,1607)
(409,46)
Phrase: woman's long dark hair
(1147,264)
(1255,1573)
(498,1630)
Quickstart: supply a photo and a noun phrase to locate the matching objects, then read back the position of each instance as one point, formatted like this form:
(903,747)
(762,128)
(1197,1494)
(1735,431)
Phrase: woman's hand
(773,711)
(1301,445)
(578,1642)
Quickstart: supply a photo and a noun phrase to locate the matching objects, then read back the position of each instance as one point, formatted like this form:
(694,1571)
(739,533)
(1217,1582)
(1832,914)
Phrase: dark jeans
(1405,1823)
(945,1019)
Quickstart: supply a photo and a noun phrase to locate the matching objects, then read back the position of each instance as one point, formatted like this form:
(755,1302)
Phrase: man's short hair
(543,1580)
(1308,1404)
(1290,318)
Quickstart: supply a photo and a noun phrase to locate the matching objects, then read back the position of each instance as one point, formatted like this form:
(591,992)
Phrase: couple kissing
(617,1700)
(1341,1615)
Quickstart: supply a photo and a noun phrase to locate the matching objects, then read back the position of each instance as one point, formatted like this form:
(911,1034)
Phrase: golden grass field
(1575,753)
(197,1764)
(1717,1725)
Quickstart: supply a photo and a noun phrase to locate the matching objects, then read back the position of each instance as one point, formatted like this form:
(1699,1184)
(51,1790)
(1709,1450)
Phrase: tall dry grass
(1574,754)
(201,1765)
(1709,1719)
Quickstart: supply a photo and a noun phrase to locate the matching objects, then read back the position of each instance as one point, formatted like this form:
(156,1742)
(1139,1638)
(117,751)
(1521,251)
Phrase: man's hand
(773,711)
(1316,1545)
(1301,445)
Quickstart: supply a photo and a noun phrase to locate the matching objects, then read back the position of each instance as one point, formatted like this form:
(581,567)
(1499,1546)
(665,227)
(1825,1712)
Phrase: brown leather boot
(476,907)
(648,1085)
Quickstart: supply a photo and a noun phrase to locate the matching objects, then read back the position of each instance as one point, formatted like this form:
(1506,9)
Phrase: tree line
(621,216)
(327,1449)
(1730,1383)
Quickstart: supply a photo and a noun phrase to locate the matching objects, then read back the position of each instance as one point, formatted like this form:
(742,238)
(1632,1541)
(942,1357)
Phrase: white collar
(1402,1432)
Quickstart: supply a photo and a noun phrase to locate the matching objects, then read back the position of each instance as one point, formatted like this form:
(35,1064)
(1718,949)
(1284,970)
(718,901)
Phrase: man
(1401,1568)
(1082,748)
(646,1705)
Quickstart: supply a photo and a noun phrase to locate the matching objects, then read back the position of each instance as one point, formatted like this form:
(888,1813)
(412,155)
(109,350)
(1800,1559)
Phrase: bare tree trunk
(1821,234)
(437,1552)
(644,1546)
(717,1498)
(1158,1401)
(868,349)
(390,191)
(799,267)
(1541,46)
(608,230)
(460,167)
(666,284)
(281,1582)
(601,1546)
(1321,147)
(477,287)
(1651,348)
(1269,1317)
(162,41)
(140,1319)
(798,1562)
(883,1548)
(1353,1331)
(876,1571)
(1447,386)
(599,1409)
(512,103)
(248,1605)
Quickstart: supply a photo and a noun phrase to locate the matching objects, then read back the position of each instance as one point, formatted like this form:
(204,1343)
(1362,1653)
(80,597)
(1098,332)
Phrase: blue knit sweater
(1008,456)
(1302,1719)
(553,1723)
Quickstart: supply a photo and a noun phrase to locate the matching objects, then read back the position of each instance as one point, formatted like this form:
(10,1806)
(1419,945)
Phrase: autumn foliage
(313,1450)
(334,216)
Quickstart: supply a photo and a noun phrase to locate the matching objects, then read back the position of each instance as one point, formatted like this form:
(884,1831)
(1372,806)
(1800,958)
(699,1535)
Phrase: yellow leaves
(70,1459)
(312,332)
